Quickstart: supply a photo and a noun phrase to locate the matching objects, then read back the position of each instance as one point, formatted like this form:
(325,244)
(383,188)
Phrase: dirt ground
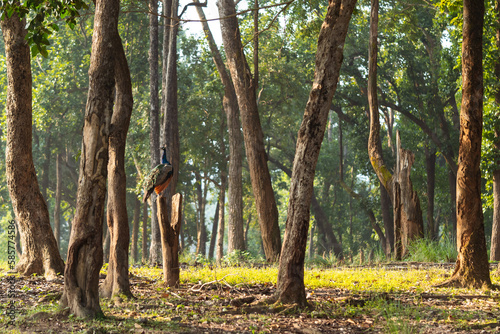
(220,308)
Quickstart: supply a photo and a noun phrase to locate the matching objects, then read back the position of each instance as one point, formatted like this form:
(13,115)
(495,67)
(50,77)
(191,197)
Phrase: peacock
(159,178)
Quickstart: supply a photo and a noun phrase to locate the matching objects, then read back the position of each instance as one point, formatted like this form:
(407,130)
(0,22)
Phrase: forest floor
(388,298)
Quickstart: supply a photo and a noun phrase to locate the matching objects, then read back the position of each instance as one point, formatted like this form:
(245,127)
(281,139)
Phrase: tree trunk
(290,286)
(117,281)
(57,205)
(134,251)
(472,267)
(252,131)
(81,275)
(144,247)
(154,135)
(430,164)
(412,224)
(46,167)
(40,254)
(230,104)
(495,233)
(220,232)
(200,224)
(215,227)
(410,214)
(170,228)
(325,228)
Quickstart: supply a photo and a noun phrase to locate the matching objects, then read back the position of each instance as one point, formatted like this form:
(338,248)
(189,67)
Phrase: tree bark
(81,275)
(134,251)
(57,205)
(495,233)
(201,235)
(40,254)
(170,228)
(154,122)
(385,204)
(252,131)
(290,286)
(117,281)
(472,267)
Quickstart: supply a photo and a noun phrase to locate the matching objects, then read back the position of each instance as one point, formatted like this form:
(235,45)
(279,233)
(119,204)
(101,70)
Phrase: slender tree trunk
(134,251)
(495,233)
(81,275)
(57,205)
(290,286)
(472,267)
(46,167)
(430,163)
(221,227)
(154,135)
(215,227)
(200,226)
(40,254)
(117,281)
(230,103)
(385,204)
(144,247)
(252,131)
(326,229)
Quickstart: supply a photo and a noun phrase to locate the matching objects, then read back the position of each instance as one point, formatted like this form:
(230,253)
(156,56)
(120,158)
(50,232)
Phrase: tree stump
(170,228)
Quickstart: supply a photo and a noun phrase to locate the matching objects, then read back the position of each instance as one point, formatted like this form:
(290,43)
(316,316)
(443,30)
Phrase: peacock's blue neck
(164,157)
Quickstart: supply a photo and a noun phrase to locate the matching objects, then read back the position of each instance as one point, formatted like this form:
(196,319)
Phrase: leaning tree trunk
(81,275)
(472,267)
(290,286)
(495,233)
(154,135)
(252,131)
(40,254)
(117,281)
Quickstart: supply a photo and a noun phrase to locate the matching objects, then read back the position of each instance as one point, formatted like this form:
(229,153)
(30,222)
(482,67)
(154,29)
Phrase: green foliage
(425,250)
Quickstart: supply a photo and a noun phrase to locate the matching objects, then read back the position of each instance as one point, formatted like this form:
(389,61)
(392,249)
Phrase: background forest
(419,73)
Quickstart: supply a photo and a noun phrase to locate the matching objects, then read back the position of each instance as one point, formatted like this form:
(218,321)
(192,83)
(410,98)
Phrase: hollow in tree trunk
(40,254)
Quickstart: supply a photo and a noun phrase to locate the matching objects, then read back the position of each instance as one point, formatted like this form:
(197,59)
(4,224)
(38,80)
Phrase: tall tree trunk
(144,256)
(221,206)
(46,167)
(290,286)
(134,251)
(385,204)
(57,205)
(430,164)
(81,275)
(472,267)
(235,187)
(215,227)
(201,235)
(252,131)
(495,233)
(40,254)
(411,214)
(326,229)
(117,281)
(154,122)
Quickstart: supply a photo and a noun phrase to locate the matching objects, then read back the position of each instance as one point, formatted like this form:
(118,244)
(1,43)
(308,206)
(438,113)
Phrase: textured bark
(290,286)
(495,233)
(154,135)
(40,254)
(81,275)
(252,131)
(57,204)
(412,224)
(430,166)
(134,249)
(170,228)
(117,281)
(472,267)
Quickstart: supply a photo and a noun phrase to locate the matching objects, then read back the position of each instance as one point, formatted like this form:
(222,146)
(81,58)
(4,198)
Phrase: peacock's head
(164,155)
